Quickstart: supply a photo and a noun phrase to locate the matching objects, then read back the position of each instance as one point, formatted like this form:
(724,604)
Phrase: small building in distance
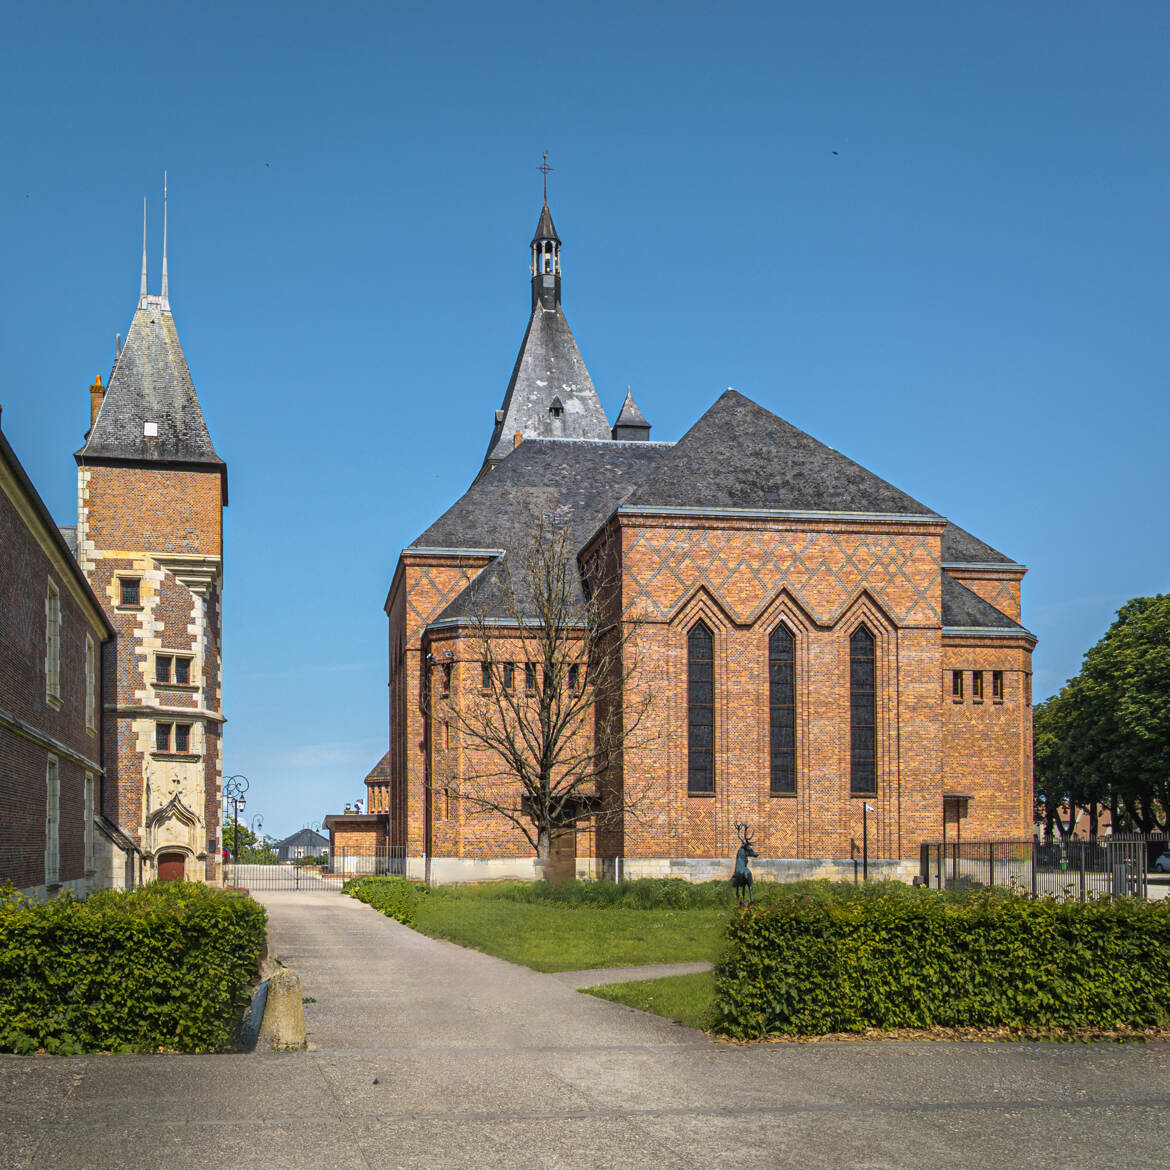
(53,633)
(302,843)
(359,841)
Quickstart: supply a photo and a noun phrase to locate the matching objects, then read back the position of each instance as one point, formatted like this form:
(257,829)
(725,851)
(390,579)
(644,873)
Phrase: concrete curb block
(283,1026)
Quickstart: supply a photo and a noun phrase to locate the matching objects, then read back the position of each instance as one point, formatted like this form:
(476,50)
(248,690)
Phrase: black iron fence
(1059,869)
(346,863)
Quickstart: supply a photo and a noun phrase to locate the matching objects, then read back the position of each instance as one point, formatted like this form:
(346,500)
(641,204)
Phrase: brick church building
(810,639)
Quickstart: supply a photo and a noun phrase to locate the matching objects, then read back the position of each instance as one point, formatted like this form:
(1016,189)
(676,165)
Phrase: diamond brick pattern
(743,570)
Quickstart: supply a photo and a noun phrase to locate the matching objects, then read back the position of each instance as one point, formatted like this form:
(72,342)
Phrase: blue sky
(932,235)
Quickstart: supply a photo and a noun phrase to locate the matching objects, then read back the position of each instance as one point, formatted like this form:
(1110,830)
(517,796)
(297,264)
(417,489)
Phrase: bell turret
(546,262)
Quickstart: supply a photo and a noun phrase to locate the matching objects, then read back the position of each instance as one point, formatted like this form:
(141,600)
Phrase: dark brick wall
(26,570)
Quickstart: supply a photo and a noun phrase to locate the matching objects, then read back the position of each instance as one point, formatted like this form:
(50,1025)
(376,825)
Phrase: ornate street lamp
(234,788)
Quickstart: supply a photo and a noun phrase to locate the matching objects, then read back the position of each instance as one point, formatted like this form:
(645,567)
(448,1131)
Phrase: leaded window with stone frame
(862,714)
(700,711)
(782,711)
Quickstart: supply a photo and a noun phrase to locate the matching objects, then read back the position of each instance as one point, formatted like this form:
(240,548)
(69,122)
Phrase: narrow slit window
(782,709)
(53,642)
(977,686)
(574,677)
(509,676)
(997,686)
(447,671)
(862,714)
(90,683)
(530,676)
(52,822)
(957,685)
(485,679)
(700,710)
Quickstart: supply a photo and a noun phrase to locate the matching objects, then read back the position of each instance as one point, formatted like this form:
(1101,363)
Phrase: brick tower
(151,492)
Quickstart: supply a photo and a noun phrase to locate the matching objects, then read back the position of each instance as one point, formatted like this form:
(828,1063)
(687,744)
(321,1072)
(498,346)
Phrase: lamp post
(256,824)
(865,811)
(234,788)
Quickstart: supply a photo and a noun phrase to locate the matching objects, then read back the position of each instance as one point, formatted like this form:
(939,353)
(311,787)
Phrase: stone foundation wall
(452,870)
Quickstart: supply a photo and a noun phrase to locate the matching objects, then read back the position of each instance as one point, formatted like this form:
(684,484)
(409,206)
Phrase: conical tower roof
(150,411)
(630,415)
(545,229)
(550,394)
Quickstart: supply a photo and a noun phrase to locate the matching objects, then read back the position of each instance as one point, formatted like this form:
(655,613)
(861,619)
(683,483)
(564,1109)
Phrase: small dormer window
(556,408)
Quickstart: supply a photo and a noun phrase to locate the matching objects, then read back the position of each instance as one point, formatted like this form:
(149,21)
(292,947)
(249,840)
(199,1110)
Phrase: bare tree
(560,697)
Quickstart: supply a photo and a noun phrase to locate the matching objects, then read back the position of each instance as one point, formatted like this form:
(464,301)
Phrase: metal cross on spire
(545,169)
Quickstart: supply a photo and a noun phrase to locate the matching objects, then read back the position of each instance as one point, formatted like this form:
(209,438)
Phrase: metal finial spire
(544,169)
(142,286)
(164,272)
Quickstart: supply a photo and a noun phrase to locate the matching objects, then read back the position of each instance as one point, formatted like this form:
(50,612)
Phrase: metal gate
(1074,869)
(345,864)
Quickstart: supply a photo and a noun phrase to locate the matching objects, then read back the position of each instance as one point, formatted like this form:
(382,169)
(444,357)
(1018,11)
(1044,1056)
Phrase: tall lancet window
(700,710)
(862,714)
(782,707)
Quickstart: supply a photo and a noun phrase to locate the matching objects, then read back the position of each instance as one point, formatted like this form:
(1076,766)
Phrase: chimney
(517,439)
(96,393)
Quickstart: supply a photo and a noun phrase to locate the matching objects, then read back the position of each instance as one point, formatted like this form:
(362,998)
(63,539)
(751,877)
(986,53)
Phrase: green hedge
(808,966)
(167,966)
(393,896)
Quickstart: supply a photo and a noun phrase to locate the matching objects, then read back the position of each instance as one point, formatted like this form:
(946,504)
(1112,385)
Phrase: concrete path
(597,976)
(428,1055)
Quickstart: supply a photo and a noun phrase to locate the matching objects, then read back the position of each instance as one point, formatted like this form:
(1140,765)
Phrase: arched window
(862,714)
(782,706)
(700,710)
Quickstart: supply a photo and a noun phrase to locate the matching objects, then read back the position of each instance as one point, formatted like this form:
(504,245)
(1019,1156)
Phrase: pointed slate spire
(165,290)
(150,411)
(631,424)
(142,285)
(550,394)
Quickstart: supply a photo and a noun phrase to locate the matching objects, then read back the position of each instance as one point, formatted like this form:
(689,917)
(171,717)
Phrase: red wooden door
(171,867)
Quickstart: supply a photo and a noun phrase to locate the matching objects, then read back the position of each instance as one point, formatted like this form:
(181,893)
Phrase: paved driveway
(428,1055)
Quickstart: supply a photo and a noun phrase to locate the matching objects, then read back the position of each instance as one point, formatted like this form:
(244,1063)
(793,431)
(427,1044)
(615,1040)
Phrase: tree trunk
(543,853)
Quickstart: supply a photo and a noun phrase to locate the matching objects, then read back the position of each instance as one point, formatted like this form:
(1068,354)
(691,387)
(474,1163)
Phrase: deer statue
(742,878)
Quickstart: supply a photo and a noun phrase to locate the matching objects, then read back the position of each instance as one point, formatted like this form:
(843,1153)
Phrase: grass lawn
(550,937)
(686,998)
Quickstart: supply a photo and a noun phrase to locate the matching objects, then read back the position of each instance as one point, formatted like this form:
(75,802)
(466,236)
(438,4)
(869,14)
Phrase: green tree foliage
(1105,738)
(254,850)
(166,966)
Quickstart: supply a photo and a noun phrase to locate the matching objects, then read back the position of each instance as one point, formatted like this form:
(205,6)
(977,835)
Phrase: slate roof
(151,383)
(960,547)
(630,415)
(577,482)
(380,772)
(739,455)
(963,607)
(544,226)
(303,837)
(549,366)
